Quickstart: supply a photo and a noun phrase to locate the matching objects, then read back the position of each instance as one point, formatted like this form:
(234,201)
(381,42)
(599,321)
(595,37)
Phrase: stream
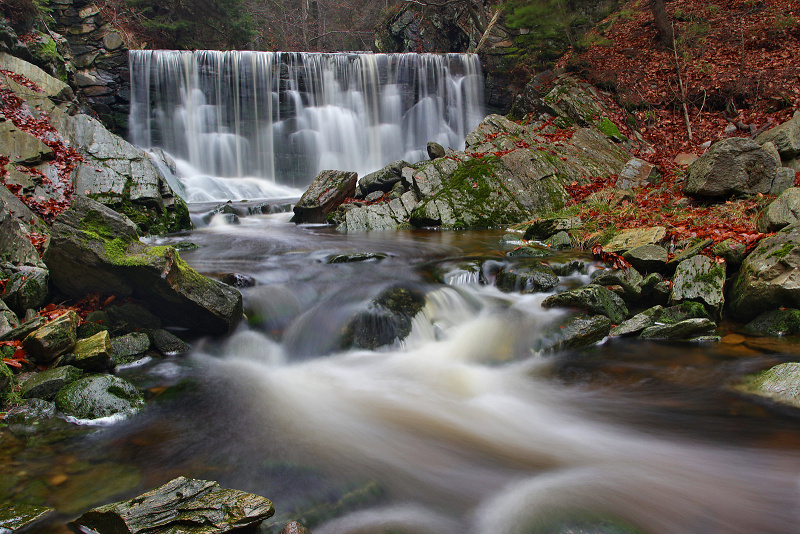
(462,427)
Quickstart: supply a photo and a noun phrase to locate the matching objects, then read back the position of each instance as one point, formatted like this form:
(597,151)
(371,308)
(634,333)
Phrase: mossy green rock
(593,299)
(14,517)
(99,396)
(93,353)
(574,333)
(46,384)
(687,329)
(780,383)
(125,349)
(6,381)
(168,343)
(181,505)
(53,339)
(730,250)
(629,279)
(526,278)
(700,279)
(769,277)
(782,212)
(96,250)
(780,322)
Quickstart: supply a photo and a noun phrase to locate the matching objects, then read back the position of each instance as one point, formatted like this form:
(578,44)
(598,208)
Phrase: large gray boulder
(181,505)
(96,250)
(734,166)
(770,276)
(785,137)
(526,278)
(575,332)
(782,212)
(594,299)
(328,190)
(702,280)
(382,180)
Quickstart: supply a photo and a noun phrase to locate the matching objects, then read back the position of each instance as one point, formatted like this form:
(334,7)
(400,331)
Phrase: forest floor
(734,63)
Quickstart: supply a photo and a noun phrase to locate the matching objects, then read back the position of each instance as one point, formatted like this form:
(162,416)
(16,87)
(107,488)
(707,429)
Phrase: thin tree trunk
(662,22)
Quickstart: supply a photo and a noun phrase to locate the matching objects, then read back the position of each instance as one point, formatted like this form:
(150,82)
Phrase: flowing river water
(463,427)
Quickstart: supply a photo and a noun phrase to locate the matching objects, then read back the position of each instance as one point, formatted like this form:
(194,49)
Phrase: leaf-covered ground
(738,63)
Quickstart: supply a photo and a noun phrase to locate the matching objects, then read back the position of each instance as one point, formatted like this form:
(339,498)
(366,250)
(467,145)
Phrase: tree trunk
(662,22)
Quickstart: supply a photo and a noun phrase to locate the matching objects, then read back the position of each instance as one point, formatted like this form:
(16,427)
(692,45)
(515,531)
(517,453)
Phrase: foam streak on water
(237,120)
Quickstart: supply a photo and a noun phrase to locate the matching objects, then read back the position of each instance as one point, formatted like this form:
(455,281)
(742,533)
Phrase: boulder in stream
(526,278)
(780,384)
(181,505)
(96,250)
(99,396)
(779,322)
(575,332)
(385,320)
(700,279)
(328,190)
(593,299)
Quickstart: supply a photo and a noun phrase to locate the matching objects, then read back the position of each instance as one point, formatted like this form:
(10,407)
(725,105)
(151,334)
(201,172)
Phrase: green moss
(608,128)
(782,252)
(714,276)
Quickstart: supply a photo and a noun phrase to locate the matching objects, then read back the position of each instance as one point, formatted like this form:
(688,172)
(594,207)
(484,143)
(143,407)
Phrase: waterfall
(249,124)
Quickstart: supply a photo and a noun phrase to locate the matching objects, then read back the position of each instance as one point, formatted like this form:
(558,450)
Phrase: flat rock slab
(181,505)
(14,517)
(780,383)
(635,237)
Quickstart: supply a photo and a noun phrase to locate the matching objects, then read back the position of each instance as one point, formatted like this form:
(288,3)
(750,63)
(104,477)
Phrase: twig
(682,89)
(488,29)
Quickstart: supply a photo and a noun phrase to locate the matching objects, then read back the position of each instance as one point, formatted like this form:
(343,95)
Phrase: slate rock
(593,299)
(99,396)
(8,319)
(689,252)
(688,329)
(15,246)
(630,238)
(181,505)
(702,280)
(46,384)
(129,317)
(22,331)
(780,384)
(544,228)
(647,258)
(730,250)
(638,322)
(26,289)
(785,137)
(383,180)
(15,517)
(530,251)
(386,319)
(32,413)
(637,173)
(629,279)
(559,241)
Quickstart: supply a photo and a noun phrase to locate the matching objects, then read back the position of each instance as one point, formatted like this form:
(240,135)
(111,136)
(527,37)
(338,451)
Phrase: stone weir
(286,116)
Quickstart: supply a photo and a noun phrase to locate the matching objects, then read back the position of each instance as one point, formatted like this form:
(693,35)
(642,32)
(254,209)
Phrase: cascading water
(240,123)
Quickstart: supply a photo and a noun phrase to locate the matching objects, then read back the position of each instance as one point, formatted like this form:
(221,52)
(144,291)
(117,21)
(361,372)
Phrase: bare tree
(665,31)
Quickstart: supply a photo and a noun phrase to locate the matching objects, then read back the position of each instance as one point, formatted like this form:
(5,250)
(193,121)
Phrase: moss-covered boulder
(93,353)
(594,299)
(46,384)
(526,278)
(780,384)
(769,277)
(6,382)
(780,322)
(730,250)
(181,505)
(53,339)
(99,396)
(700,279)
(96,250)
(130,347)
(574,333)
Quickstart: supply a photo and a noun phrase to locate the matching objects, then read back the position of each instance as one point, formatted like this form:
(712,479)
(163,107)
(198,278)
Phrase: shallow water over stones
(461,427)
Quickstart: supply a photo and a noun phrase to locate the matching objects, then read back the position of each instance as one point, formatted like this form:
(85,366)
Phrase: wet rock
(435,150)
(181,505)
(638,322)
(785,137)
(574,333)
(168,343)
(593,299)
(238,280)
(94,353)
(22,331)
(544,228)
(526,278)
(655,290)
(731,251)
(31,414)
(385,320)
(628,279)
(53,339)
(689,252)
(780,384)
(530,251)
(782,212)
(96,250)
(780,322)
(128,317)
(99,396)
(26,289)
(226,213)
(89,329)
(46,384)
(128,348)
(327,191)
(54,91)
(647,258)
(700,279)
(383,180)
(631,238)
(733,166)
(768,278)
(688,329)
(568,268)
(637,173)
(559,241)
(15,517)
(683,311)
(357,258)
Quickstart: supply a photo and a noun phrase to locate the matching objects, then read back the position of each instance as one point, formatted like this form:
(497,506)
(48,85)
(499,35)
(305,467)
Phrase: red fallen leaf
(109,300)
(13,363)
(19,354)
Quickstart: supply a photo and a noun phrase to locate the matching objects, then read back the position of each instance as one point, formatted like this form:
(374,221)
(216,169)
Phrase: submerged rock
(181,505)
(526,278)
(574,333)
(780,322)
(385,320)
(46,384)
(99,396)
(96,250)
